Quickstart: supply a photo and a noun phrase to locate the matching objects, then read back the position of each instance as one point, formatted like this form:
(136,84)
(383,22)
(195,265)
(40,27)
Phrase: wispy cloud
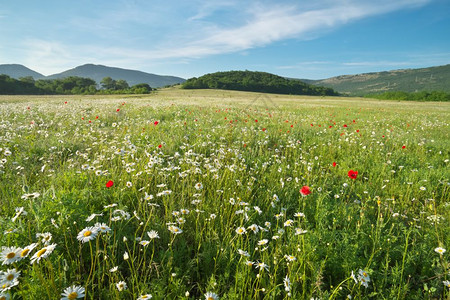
(181,32)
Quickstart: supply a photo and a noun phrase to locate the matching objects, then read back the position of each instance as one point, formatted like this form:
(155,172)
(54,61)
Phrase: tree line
(415,96)
(72,85)
(256,82)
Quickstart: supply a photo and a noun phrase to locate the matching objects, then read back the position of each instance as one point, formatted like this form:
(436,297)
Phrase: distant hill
(255,82)
(17,71)
(98,72)
(95,72)
(408,80)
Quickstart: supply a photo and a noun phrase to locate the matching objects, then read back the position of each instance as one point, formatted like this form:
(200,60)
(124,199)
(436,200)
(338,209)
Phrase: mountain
(255,82)
(98,72)
(407,80)
(16,71)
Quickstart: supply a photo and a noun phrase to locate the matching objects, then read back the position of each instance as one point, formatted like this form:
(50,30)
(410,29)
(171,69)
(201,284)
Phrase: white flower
(152,234)
(240,230)
(211,296)
(87,234)
(43,253)
(121,285)
(73,292)
(143,297)
(10,255)
(440,250)
(175,229)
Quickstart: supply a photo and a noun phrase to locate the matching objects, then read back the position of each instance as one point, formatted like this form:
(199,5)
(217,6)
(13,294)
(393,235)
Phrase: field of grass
(204,194)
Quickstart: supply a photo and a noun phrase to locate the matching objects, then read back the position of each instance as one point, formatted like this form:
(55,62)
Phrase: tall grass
(191,168)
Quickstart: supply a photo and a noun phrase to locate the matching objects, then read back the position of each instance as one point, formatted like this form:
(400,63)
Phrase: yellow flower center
(11,255)
(24,252)
(72,295)
(87,233)
(210,298)
(41,252)
(144,297)
(365,274)
(10,277)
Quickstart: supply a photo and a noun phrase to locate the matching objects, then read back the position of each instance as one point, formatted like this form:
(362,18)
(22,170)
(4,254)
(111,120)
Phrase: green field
(188,194)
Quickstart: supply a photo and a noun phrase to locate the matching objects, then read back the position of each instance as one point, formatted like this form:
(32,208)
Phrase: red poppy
(352,174)
(345,125)
(403,147)
(156,123)
(256,121)
(334,164)
(96,117)
(305,190)
(118,109)
(109,184)
(159,146)
(65,102)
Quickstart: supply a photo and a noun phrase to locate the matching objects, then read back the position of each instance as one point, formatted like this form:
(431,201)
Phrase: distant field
(188,194)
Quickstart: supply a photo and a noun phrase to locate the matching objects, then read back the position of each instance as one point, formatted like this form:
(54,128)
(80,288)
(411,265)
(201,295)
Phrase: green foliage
(416,96)
(71,85)
(255,82)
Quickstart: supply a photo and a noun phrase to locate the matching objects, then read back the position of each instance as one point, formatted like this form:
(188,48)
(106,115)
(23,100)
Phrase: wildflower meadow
(195,194)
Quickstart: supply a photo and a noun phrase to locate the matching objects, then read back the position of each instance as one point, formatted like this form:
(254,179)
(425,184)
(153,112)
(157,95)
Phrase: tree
(121,85)
(108,83)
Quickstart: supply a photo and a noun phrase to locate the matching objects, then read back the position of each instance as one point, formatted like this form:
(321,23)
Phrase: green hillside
(255,82)
(408,80)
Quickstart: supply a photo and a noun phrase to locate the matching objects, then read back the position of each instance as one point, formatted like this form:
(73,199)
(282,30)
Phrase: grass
(205,198)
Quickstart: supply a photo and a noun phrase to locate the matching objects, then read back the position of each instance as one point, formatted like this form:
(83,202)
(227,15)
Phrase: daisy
(240,230)
(26,250)
(91,217)
(175,229)
(121,285)
(290,257)
(287,284)
(43,253)
(4,296)
(144,243)
(9,276)
(10,255)
(73,292)
(7,285)
(440,250)
(87,234)
(198,186)
(253,228)
(262,242)
(299,231)
(211,296)
(243,253)
(46,237)
(152,234)
(364,278)
(288,223)
(261,266)
(146,296)
(114,269)
(249,263)
(102,227)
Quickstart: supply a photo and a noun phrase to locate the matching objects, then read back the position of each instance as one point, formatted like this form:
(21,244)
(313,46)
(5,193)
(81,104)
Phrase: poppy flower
(156,123)
(403,147)
(352,174)
(305,190)
(109,184)
(334,164)
(159,146)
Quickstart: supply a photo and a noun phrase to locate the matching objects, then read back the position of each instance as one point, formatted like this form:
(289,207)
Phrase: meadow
(207,194)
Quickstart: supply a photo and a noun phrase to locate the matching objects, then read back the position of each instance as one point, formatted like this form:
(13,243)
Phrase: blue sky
(303,39)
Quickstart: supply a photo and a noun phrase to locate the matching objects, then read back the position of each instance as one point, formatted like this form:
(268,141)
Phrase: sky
(312,39)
